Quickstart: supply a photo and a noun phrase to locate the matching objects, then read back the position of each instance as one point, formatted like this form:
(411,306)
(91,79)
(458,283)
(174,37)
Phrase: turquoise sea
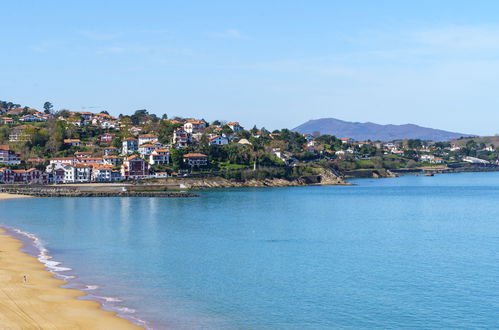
(409,252)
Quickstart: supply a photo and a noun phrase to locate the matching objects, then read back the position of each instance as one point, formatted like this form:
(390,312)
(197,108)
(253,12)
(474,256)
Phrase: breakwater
(75,192)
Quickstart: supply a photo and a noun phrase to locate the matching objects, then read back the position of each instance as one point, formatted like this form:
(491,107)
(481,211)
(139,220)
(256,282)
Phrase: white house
(218,141)
(235,127)
(146,149)
(102,173)
(129,146)
(77,173)
(194,126)
(181,138)
(9,157)
(159,156)
(147,138)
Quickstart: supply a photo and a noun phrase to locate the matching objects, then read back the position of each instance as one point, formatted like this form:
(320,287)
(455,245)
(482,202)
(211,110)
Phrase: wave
(36,247)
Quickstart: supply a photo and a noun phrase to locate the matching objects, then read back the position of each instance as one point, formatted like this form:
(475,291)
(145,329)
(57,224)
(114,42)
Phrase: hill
(372,131)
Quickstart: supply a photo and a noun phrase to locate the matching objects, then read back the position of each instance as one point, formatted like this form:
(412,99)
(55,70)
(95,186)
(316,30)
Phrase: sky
(275,63)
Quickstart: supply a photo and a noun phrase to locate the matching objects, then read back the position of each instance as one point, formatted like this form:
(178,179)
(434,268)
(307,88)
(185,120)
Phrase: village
(80,147)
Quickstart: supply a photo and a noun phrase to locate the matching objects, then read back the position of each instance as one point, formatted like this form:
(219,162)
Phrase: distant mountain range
(374,132)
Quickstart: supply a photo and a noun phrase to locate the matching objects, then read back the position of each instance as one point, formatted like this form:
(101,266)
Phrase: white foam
(91,287)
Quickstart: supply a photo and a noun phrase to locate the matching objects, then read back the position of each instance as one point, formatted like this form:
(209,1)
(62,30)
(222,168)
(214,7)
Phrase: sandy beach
(40,302)
(11,196)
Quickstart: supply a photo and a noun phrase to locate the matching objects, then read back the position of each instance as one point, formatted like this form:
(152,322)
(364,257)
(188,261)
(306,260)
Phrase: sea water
(407,252)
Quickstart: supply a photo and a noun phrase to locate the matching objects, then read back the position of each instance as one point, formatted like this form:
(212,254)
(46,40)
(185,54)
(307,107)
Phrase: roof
(90,158)
(103,167)
(244,141)
(195,121)
(110,157)
(161,150)
(82,165)
(214,137)
(195,155)
(130,139)
(233,123)
(4,147)
(71,140)
(63,158)
(152,136)
(134,157)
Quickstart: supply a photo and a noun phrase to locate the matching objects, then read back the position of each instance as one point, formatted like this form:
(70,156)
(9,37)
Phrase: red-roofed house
(193,126)
(235,127)
(218,141)
(9,157)
(72,142)
(196,159)
(134,167)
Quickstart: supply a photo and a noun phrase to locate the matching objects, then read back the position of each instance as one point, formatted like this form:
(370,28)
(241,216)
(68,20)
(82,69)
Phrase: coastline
(12,196)
(41,302)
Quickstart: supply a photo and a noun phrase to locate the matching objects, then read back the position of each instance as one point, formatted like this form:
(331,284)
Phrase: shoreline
(4,196)
(40,301)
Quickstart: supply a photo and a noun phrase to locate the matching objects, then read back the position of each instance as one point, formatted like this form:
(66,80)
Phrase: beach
(30,297)
(11,196)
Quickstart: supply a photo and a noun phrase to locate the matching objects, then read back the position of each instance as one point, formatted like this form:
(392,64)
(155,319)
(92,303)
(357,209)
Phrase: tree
(47,106)
(104,112)
(414,144)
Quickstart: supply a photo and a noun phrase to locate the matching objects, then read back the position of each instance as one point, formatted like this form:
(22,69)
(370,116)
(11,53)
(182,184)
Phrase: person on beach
(25,278)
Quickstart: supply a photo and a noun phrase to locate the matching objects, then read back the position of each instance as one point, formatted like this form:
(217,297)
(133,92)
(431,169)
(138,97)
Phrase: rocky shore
(325,177)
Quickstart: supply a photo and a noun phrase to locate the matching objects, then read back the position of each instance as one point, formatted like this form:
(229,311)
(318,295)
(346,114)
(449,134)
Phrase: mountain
(374,132)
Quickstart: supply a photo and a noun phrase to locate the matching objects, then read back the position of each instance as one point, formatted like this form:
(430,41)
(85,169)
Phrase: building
(235,127)
(9,157)
(111,160)
(77,173)
(72,142)
(218,141)
(159,156)
(147,138)
(474,160)
(6,175)
(129,146)
(90,160)
(32,118)
(347,140)
(110,150)
(195,159)
(63,161)
(102,173)
(107,138)
(146,149)
(194,126)
(181,138)
(6,120)
(31,176)
(134,167)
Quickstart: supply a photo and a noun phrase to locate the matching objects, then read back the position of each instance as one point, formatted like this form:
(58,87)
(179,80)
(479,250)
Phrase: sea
(407,252)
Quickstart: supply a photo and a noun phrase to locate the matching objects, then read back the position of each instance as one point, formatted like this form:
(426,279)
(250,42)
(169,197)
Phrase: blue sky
(270,63)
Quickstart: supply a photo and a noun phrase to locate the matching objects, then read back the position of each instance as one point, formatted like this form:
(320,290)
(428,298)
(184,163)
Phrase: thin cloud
(99,36)
(227,34)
